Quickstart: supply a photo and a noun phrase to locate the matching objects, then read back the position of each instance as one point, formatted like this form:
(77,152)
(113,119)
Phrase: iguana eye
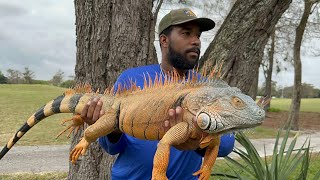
(238,103)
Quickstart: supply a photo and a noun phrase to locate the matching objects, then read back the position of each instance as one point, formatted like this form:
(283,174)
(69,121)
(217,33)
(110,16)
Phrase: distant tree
(14,76)
(287,92)
(308,91)
(28,75)
(273,89)
(57,79)
(68,83)
(318,93)
(3,79)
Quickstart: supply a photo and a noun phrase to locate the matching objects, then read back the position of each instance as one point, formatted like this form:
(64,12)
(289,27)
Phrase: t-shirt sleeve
(113,148)
(226,144)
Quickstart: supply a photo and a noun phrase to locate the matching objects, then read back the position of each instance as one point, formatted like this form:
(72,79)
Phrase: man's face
(184,46)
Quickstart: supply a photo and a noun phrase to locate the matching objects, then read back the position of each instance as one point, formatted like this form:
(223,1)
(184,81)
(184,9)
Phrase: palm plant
(280,166)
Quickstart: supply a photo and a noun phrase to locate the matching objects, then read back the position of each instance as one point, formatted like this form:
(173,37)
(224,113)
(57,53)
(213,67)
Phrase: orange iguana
(218,108)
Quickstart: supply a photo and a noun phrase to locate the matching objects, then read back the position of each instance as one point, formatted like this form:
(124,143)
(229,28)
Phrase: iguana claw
(80,149)
(204,174)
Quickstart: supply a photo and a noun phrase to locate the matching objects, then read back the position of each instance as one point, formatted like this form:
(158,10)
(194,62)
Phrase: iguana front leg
(174,136)
(103,126)
(209,157)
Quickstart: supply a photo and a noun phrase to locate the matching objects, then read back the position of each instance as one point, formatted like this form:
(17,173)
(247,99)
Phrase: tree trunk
(270,68)
(254,87)
(111,37)
(296,98)
(241,39)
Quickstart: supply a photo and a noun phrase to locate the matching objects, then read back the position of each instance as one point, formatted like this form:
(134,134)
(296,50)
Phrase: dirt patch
(308,121)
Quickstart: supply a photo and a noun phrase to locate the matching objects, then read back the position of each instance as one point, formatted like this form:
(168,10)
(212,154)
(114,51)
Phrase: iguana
(217,107)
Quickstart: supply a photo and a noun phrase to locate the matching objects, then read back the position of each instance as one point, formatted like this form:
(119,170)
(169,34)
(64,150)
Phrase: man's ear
(164,41)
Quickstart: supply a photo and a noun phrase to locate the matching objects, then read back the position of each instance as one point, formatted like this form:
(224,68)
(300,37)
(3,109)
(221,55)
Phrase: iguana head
(220,108)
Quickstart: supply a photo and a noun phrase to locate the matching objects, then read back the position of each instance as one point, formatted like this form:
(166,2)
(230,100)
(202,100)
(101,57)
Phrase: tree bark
(111,37)
(296,98)
(241,39)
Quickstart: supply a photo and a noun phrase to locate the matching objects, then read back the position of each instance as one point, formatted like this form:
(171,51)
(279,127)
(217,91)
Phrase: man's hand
(176,115)
(92,111)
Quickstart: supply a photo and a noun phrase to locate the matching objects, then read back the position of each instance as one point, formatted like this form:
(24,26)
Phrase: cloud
(36,33)
(11,10)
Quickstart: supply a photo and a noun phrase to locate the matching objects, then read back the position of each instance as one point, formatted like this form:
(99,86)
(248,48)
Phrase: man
(179,36)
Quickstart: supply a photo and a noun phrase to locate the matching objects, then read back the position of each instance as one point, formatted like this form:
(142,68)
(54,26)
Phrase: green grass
(307,105)
(35,176)
(18,103)
(263,133)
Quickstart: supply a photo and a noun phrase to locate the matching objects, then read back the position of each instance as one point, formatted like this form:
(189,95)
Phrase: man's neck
(167,68)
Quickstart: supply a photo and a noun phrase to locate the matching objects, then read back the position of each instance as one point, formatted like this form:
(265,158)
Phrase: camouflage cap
(180,16)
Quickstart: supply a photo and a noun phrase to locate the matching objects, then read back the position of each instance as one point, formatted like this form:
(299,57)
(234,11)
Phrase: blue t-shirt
(135,160)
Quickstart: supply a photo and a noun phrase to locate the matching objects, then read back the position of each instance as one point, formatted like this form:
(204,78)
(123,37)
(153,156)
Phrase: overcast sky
(40,35)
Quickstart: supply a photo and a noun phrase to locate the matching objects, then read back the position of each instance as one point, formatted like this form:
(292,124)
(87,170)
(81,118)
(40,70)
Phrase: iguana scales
(217,107)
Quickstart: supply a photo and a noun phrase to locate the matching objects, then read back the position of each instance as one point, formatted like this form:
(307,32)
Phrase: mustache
(194,49)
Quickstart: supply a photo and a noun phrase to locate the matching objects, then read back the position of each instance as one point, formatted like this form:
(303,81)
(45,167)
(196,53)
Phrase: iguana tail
(69,102)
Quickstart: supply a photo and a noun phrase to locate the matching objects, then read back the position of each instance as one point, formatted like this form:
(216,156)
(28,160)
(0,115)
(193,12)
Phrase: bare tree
(14,76)
(28,75)
(57,78)
(296,99)
(268,68)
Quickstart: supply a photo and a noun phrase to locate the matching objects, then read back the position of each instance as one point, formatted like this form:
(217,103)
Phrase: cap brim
(205,24)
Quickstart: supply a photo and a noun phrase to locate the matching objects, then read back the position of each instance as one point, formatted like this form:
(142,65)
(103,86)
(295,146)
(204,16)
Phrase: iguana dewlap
(218,108)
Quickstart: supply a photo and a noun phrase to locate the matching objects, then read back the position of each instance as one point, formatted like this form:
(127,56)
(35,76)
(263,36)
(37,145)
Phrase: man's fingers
(92,107)
(179,114)
(85,110)
(172,114)
(96,113)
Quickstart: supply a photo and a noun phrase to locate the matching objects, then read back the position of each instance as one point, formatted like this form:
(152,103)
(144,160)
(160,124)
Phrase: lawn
(35,176)
(18,103)
(307,105)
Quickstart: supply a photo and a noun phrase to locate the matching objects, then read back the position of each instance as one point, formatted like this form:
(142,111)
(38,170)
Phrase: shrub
(280,165)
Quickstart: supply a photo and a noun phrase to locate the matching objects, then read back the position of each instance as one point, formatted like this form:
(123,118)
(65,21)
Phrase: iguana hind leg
(209,157)
(77,122)
(174,136)
(103,126)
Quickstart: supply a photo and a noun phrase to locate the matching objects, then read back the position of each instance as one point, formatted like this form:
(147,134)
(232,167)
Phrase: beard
(178,61)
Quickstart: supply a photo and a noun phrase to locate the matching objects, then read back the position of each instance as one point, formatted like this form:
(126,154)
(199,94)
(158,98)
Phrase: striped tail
(67,103)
